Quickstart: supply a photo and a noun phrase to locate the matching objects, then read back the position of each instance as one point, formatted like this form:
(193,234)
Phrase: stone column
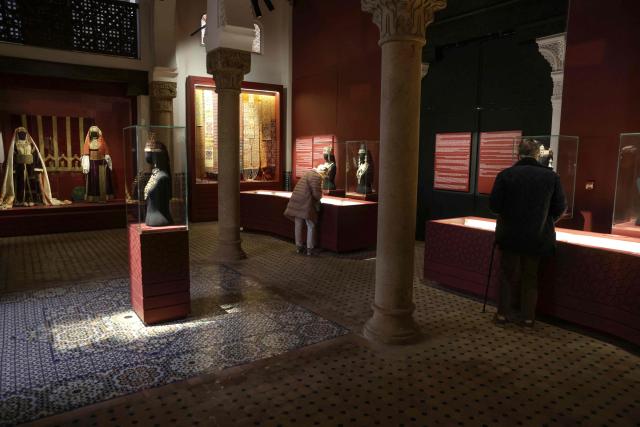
(228,67)
(553,49)
(161,94)
(402,26)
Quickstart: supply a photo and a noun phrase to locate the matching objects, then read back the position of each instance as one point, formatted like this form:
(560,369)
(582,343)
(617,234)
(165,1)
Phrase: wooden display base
(370,197)
(82,216)
(334,193)
(159,272)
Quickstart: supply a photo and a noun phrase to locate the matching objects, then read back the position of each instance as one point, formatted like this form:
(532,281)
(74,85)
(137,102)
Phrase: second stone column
(228,67)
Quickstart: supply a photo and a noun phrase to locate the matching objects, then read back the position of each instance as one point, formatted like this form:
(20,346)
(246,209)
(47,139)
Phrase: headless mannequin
(157,192)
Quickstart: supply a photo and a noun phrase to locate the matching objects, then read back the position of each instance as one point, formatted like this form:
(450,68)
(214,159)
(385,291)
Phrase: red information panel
(453,158)
(496,154)
(304,156)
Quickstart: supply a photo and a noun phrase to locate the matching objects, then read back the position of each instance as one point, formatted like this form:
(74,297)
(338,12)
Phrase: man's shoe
(299,249)
(528,323)
(309,252)
(500,319)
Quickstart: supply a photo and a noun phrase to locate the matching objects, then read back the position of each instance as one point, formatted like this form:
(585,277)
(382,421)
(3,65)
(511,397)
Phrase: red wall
(336,71)
(601,93)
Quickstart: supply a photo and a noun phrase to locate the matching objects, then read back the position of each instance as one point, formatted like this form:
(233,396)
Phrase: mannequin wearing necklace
(157,192)
(330,167)
(364,173)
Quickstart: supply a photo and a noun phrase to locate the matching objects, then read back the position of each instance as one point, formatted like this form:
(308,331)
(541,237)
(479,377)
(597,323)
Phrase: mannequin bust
(330,166)
(157,192)
(364,173)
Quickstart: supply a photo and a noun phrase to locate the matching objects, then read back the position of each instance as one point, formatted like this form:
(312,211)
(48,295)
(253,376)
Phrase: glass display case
(54,161)
(560,153)
(626,212)
(156,177)
(259,134)
(361,169)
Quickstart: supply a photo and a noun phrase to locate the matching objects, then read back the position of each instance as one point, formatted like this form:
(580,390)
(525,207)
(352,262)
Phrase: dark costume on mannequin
(96,164)
(330,169)
(364,173)
(157,191)
(25,181)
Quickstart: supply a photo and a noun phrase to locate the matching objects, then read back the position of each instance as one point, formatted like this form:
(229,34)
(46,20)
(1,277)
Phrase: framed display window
(452,161)
(309,152)
(262,141)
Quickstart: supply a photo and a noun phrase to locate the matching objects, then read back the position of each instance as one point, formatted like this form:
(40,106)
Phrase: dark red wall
(601,93)
(336,71)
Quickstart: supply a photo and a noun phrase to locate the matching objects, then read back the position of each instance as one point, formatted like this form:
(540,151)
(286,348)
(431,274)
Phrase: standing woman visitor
(304,205)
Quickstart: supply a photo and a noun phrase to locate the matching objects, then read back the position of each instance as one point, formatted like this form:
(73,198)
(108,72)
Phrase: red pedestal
(347,225)
(159,271)
(585,284)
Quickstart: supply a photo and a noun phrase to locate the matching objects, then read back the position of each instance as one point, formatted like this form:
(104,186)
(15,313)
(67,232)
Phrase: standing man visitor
(528,199)
(304,205)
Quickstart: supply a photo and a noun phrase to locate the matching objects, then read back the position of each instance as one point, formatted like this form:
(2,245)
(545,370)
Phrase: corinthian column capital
(403,19)
(228,67)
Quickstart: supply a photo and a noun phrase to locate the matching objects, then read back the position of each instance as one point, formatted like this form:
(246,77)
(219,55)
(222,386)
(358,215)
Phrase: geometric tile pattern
(466,371)
(68,347)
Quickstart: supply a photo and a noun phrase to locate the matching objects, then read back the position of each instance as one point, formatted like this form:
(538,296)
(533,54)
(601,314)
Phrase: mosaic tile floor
(466,372)
(68,347)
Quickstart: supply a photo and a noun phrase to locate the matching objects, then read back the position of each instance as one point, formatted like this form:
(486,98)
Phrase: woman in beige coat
(304,205)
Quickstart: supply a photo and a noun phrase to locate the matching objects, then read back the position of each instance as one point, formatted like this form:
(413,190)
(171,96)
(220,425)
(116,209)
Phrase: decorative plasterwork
(232,25)
(403,19)
(553,49)
(161,95)
(228,67)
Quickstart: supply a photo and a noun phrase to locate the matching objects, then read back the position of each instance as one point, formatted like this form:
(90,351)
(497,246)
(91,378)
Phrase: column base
(392,327)
(230,251)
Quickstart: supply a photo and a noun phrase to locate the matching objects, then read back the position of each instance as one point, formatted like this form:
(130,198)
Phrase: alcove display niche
(261,141)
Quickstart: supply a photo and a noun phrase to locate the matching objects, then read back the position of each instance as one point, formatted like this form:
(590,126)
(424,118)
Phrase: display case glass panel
(156,177)
(626,212)
(361,169)
(560,153)
(259,135)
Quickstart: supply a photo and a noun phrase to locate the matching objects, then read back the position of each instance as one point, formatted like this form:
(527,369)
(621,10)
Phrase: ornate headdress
(152,146)
(363,149)
(328,150)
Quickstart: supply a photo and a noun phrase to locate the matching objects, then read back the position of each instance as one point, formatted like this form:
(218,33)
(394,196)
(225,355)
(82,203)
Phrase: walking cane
(486,289)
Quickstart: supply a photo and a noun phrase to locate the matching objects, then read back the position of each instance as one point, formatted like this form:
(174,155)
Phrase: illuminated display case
(626,212)
(361,169)
(259,134)
(560,153)
(156,176)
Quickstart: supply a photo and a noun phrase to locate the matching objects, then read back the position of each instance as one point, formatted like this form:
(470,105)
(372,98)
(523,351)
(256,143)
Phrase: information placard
(452,161)
(496,154)
(304,156)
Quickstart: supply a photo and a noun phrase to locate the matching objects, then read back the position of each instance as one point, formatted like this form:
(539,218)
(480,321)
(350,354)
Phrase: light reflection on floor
(68,347)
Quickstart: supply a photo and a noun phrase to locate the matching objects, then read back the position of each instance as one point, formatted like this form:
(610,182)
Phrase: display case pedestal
(159,272)
(369,197)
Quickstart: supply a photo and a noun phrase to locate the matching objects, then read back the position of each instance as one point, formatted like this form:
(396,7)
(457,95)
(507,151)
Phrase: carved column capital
(553,49)
(161,95)
(228,67)
(405,20)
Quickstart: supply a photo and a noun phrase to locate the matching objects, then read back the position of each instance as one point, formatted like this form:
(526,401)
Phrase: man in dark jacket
(528,199)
